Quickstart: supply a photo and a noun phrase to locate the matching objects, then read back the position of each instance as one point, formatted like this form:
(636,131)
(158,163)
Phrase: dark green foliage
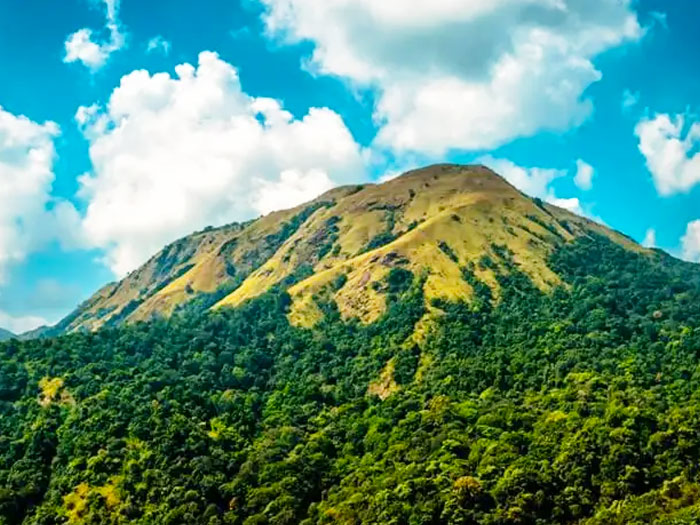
(303,271)
(447,250)
(504,255)
(339,282)
(270,244)
(412,226)
(170,278)
(485,261)
(201,301)
(546,225)
(289,228)
(566,226)
(398,280)
(124,313)
(406,364)
(482,291)
(327,237)
(379,240)
(579,406)
(388,235)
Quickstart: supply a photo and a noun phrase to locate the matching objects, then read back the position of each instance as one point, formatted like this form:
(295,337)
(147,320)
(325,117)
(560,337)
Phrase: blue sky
(285,98)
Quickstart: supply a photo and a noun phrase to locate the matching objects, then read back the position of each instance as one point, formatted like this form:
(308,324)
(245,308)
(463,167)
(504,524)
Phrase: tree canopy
(579,405)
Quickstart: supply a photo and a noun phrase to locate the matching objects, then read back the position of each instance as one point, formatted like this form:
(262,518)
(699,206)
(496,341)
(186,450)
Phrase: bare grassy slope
(435,220)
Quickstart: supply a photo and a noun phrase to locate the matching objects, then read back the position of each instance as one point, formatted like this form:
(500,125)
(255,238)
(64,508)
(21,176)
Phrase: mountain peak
(439,221)
(5,334)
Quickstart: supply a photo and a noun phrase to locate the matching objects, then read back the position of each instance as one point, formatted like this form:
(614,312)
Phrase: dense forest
(579,405)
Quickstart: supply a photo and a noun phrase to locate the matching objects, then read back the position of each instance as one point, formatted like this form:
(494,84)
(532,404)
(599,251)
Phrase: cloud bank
(83,47)
(536,182)
(171,155)
(670,146)
(29,217)
(691,242)
(452,74)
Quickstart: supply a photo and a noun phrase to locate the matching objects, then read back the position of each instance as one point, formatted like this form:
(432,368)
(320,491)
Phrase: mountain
(435,350)
(435,219)
(5,334)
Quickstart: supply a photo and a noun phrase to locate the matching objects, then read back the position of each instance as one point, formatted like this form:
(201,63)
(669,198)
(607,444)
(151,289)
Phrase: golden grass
(110,493)
(468,208)
(207,273)
(76,503)
(469,223)
(52,390)
(385,385)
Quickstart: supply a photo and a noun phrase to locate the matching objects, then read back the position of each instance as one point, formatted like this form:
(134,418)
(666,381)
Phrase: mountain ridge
(441,217)
(6,334)
(561,387)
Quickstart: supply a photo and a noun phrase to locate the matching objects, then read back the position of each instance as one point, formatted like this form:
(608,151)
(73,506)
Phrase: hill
(514,364)
(436,219)
(5,334)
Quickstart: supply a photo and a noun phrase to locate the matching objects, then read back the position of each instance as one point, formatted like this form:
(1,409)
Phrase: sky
(125,125)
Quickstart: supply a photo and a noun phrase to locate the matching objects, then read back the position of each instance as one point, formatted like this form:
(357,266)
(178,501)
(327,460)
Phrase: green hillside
(562,387)
(5,334)
(439,218)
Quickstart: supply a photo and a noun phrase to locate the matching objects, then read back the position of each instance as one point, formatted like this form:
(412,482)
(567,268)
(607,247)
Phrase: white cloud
(629,99)
(390,175)
(691,242)
(573,204)
(535,182)
(171,155)
(29,216)
(82,46)
(292,187)
(670,145)
(649,238)
(158,44)
(584,175)
(460,74)
(20,324)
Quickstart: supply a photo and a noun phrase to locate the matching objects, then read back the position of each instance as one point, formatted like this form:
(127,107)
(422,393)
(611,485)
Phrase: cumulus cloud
(20,324)
(649,238)
(584,175)
(29,216)
(455,74)
(690,242)
(83,47)
(670,147)
(573,204)
(158,44)
(535,182)
(174,154)
(292,187)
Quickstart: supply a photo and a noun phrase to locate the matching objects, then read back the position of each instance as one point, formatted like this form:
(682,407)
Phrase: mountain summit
(435,221)
(476,357)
